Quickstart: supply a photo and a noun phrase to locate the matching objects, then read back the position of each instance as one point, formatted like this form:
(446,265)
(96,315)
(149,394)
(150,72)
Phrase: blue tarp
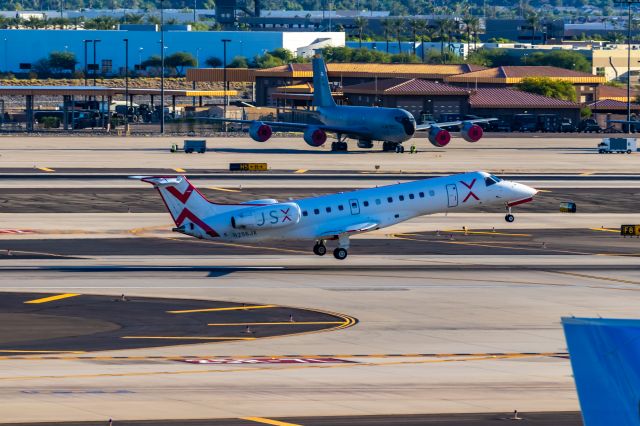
(605,357)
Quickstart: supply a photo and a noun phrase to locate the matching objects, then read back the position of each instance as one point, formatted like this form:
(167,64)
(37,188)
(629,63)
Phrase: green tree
(179,61)
(153,61)
(267,61)
(239,62)
(62,61)
(492,58)
(545,86)
(213,62)
(387,27)
(559,58)
(534,21)
(361,24)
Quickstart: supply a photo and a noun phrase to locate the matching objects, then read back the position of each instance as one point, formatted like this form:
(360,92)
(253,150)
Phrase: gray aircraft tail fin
(321,91)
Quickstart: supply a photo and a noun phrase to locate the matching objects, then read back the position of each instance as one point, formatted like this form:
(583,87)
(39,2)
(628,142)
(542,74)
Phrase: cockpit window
(491,180)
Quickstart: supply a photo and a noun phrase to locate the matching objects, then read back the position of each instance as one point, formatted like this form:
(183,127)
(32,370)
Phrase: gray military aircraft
(392,126)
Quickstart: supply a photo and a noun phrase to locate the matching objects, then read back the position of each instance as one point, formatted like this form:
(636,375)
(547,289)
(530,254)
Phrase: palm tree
(443,26)
(533,20)
(475,28)
(387,25)
(398,26)
(416,26)
(361,24)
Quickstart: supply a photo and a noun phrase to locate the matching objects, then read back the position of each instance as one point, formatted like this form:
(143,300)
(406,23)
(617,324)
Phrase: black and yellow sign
(630,230)
(248,167)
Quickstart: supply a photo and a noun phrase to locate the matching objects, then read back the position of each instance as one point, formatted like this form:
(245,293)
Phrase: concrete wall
(28,46)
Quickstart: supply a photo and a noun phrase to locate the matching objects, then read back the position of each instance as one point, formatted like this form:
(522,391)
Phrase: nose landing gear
(509,217)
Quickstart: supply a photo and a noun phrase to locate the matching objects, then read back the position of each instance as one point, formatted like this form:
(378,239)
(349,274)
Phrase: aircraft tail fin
(604,357)
(187,206)
(321,90)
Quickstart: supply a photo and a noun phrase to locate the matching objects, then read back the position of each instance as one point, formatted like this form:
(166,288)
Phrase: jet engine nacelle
(260,132)
(314,136)
(471,132)
(273,216)
(439,137)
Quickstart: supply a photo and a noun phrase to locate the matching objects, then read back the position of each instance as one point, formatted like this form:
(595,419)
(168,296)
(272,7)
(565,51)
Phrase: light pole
(195,4)
(95,65)
(628,3)
(126,80)
(140,59)
(85,59)
(224,73)
(162,67)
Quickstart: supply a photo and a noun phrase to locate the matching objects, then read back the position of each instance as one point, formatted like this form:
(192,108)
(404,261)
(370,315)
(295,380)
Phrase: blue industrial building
(28,46)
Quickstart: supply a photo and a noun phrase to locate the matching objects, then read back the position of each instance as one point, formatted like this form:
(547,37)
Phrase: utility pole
(126,81)
(162,67)
(85,60)
(628,3)
(95,64)
(226,83)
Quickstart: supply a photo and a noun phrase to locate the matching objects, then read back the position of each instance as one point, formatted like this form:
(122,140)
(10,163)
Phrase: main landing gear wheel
(320,249)
(399,149)
(339,146)
(340,253)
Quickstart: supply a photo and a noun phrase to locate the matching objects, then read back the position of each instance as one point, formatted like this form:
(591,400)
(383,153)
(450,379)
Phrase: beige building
(611,62)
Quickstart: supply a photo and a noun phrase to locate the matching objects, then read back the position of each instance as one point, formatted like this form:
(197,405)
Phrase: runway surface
(539,419)
(146,200)
(558,242)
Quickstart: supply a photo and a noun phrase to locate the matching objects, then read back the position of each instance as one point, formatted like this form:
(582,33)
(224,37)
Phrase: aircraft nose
(526,191)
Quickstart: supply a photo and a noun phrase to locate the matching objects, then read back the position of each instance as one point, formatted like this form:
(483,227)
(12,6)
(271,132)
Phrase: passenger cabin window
(328,209)
(432,193)
(316,211)
(401,198)
(354,205)
(305,213)
(421,194)
(411,196)
(340,207)
(378,202)
(366,204)
(390,199)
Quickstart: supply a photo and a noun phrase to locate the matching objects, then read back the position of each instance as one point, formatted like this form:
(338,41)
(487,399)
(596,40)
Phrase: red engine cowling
(260,132)
(314,136)
(439,137)
(471,132)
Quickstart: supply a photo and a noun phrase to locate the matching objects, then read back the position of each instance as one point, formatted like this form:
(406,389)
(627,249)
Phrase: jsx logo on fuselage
(470,194)
(272,217)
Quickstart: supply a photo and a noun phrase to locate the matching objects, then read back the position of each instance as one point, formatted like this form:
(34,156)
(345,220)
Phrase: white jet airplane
(332,217)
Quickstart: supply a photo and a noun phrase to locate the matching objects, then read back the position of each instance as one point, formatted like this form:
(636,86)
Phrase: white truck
(617,145)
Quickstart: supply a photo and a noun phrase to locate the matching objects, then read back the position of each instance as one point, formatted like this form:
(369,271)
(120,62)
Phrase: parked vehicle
(617,145)
(524,123)
(500,126)
(590,125)
(566,125)
(548,123)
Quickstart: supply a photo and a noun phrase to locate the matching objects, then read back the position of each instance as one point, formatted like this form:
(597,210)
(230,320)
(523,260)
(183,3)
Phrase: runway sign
(253,361)
(630,230)
(248,167)
(16,231)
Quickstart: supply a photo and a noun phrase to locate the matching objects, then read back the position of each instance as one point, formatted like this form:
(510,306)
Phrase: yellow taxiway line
(617,231)
(235,308)
(485,233)
(268,421)
(276,323)
(179,170)
(46,169)
(301,171)
(187,338)
(52,298)
(217,188)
